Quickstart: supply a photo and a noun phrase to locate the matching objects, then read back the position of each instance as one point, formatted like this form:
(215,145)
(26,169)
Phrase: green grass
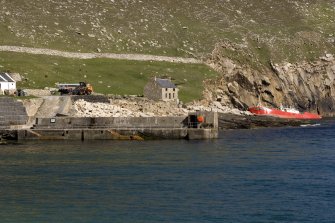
(262,30)
(174,28)
(107,76)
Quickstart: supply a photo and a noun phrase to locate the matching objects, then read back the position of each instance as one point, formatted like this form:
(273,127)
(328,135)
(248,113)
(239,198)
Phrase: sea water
(261,175)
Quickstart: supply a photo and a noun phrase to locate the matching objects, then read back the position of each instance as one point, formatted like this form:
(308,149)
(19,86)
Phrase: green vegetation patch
(107,76)
(173,28)
(261,31)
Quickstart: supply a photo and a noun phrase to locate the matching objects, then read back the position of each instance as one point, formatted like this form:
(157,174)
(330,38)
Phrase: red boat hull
(260,110)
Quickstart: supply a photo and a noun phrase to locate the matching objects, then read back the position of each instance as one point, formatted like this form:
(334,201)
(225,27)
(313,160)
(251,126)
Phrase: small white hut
(6,83)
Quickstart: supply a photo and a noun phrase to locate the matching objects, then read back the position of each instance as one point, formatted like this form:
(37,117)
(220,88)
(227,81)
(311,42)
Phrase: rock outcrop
(142,107)
(307,86)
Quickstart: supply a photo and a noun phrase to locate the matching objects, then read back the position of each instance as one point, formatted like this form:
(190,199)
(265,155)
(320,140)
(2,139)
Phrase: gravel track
(138,57)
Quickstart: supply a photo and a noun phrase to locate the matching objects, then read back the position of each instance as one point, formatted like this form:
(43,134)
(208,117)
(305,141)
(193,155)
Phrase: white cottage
(6,83)
(161,89)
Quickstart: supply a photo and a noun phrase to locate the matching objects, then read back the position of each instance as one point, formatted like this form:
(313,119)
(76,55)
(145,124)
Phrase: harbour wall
(102,134)
(128,128)
(110,122)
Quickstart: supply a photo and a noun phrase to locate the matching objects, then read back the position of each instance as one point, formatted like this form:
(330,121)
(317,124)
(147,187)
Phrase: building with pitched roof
(161,89)
(6,82)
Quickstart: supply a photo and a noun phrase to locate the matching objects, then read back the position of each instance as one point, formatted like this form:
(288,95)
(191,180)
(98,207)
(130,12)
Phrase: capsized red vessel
(290,113)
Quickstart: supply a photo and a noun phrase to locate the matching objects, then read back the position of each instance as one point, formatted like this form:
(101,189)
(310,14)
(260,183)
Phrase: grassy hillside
(285,29)
(262,30)
(107,76)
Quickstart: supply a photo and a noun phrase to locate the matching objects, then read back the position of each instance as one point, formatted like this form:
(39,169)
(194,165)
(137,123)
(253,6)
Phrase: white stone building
(6,83)
(161,89)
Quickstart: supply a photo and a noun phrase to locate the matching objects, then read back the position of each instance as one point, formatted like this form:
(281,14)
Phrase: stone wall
(12,113)
(152,91)
(128,128)
(91,98)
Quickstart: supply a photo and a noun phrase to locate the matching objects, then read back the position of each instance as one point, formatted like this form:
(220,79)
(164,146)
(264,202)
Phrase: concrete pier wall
(102,134)
(122,128)
(110,122)
(210,133)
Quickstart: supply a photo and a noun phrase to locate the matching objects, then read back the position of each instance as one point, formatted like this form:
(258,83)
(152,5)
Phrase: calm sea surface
(264,175)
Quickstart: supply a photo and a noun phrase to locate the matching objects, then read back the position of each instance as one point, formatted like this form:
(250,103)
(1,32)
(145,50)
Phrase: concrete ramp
(54,105)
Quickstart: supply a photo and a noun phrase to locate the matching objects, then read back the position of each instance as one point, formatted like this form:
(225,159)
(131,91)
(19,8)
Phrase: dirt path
(138,57)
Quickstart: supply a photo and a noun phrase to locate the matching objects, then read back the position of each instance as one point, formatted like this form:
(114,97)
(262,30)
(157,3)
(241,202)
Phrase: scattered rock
(266,81)
(142,107)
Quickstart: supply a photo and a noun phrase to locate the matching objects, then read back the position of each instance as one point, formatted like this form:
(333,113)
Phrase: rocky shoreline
(98,106)
(229,118)
(133,106)
(226,121)
(231,121)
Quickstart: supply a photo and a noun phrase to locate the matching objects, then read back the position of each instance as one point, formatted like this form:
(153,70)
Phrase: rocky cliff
(305,85)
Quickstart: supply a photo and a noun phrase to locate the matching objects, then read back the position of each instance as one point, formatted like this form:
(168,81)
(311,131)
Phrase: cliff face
(307,86)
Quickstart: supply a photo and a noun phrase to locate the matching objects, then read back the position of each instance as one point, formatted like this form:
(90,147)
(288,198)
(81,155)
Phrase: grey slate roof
(165,83)
(4,77)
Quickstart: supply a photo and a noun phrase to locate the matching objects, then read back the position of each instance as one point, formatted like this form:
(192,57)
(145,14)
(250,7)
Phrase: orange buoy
(200,119)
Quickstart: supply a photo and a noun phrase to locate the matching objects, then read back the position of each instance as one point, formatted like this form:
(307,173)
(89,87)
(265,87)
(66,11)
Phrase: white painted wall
(7,86)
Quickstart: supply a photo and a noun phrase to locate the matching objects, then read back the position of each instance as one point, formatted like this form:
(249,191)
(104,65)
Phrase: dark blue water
(265,175)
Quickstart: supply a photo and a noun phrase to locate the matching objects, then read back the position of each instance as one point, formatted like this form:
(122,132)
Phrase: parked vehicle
(81,88)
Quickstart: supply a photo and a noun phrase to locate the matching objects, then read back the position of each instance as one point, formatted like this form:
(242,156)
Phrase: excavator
(82,88)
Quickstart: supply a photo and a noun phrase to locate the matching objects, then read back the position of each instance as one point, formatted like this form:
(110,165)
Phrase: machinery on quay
(81,88)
